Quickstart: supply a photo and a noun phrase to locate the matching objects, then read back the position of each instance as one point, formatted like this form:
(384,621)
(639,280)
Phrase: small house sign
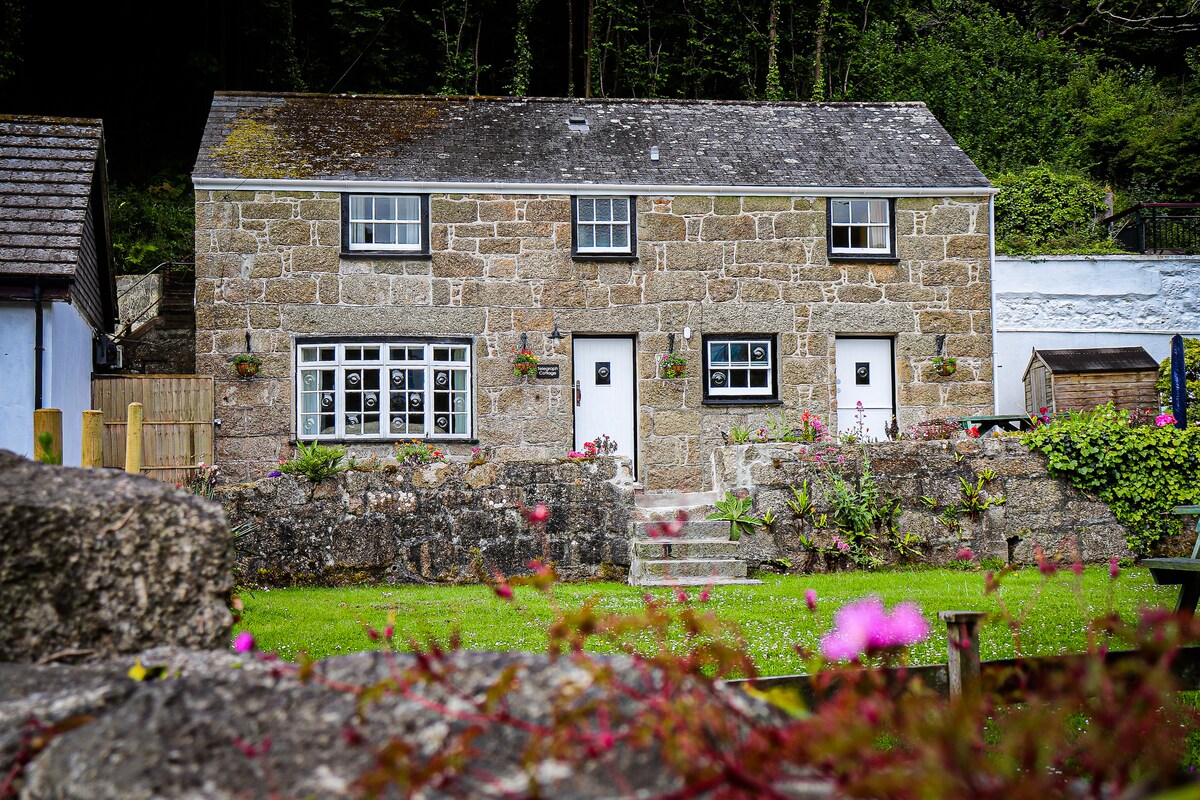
(547,370)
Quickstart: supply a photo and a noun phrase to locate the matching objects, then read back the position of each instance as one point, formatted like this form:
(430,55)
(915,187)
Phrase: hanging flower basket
(524,363)
(673,366)
(945,366)
(246,365)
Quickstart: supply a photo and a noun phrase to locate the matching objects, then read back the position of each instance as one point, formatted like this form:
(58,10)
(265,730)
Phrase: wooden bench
(1005,422)
(1182,572)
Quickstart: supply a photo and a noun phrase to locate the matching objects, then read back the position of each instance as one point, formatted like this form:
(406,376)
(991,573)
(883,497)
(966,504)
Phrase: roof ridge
(580,100)
(33,119)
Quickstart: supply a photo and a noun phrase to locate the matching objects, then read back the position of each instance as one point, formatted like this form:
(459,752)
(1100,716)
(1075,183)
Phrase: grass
(772,616)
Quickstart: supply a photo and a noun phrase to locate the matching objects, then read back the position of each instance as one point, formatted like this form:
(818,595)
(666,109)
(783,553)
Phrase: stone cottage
(385,257)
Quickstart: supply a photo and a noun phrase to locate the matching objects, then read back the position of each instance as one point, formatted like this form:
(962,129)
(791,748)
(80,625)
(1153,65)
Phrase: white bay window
(384,390)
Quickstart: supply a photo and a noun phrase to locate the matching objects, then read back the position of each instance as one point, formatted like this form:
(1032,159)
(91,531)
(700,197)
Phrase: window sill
(631,257)
(394,254)
(388,440)
(844,257)
(741,401)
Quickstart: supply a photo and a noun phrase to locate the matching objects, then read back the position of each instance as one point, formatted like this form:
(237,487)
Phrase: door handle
(578,395)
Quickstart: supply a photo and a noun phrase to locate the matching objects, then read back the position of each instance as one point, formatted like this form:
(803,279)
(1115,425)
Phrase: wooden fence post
(92,448)
(962,642)
(47,435)
(133,438)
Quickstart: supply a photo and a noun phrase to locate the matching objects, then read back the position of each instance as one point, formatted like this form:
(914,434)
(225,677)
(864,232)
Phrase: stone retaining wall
(442,522)
(1038,510)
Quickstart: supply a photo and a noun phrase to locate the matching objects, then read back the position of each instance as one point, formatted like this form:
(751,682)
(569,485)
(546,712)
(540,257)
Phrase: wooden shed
(1081,379)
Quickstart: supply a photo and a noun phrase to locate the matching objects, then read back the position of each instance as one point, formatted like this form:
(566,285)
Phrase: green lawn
(773,616)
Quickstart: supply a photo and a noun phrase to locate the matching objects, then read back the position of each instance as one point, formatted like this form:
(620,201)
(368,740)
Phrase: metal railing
(1157,228)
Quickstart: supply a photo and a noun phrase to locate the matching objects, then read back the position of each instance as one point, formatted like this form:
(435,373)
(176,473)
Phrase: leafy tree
(1039,210)
(152,224)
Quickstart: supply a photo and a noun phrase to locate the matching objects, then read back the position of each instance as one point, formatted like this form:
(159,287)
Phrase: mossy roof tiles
(528,141)
(47,167)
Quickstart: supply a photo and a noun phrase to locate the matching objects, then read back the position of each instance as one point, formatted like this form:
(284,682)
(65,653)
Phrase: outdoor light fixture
(524,341)
(555,336)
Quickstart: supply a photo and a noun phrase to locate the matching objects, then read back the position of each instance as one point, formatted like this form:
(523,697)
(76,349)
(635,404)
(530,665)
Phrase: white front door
(865,370)
(604,397)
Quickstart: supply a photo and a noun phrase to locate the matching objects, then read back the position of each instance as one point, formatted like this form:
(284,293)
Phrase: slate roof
(1098,359)
(46,170)
(528,141)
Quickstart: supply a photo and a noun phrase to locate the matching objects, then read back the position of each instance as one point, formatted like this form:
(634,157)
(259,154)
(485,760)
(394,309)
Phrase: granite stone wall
(1037,510)
(270,263)
(439,522)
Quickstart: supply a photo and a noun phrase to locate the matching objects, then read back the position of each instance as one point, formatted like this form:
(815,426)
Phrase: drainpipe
(38,348)
(992,294)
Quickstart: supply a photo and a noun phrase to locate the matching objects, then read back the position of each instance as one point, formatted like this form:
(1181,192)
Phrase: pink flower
(1045,565)
(705,595)
(1077,568)
(668,529)
(388,632)
(865,627)
(538,515)
(810,599)
(964,554)
(244,642)
(1163,420)
(1113,569)
(841,546)
(503,591)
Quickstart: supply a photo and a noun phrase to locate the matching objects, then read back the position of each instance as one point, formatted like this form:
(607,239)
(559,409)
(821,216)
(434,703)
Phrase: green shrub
(315,461)
(1040,211)
(1140,471)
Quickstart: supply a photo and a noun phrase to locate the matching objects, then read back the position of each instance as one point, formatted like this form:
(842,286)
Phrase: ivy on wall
(1140,470)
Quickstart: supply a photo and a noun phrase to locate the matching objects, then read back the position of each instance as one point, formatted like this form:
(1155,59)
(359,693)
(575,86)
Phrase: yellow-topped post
(133,438)
(47,435)
(92,448)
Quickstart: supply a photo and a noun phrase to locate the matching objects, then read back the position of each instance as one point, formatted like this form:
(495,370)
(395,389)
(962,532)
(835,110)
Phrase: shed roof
(47,166)
(1097,359)
(530,141)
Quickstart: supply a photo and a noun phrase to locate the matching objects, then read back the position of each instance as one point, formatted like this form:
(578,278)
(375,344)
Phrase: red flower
(973,431)
(537,515)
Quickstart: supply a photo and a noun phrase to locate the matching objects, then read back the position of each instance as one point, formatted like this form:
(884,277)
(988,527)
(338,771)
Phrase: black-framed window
(604,226)
(383,389)
(741,368)
(385,224)
(862,227)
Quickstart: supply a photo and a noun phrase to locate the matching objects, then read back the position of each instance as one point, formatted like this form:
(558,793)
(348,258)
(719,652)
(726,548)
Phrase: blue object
(1179,399)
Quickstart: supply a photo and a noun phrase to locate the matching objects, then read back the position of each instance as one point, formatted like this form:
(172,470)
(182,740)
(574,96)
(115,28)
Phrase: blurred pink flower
(810,599)
(1113,568)
(864,626)
(964,554)
(244,642)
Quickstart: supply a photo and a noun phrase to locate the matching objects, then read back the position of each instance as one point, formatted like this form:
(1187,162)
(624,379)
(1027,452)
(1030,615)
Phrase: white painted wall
(1052,302)
(16,377)
(67,365)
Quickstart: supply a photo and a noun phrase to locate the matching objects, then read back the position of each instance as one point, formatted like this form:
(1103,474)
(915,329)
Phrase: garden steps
(701,555)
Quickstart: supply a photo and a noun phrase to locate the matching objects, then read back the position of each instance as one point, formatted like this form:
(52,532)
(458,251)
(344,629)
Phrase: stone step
(698,582)
(669,502)
(689,568)
(685,548)
(694,528)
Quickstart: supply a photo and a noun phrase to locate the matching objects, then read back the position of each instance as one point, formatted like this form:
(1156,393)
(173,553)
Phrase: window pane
(460,380)
(586,236)
(585,210)
(718,353)
(620,210)
(841,237)
(460,423)
(408,208)
(308,354)
(328,353)
(858,237)
(353,354)
(458,354)
(758,379)
(603,236)
(858,210)
(877,238)
(718,379)
(841,210)
(739,353)
(385,208)
(759,352)
(409,233)
(879,211)
(358,233)
(620,236)
(371,353)
(738,379)
(603,210)
(360,207)
(441,354)
(385,233)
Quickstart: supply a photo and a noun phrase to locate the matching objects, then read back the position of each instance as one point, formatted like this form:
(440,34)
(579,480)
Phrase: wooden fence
(178,426)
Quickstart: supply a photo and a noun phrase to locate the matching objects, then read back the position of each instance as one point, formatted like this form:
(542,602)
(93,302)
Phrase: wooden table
(1183,572)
